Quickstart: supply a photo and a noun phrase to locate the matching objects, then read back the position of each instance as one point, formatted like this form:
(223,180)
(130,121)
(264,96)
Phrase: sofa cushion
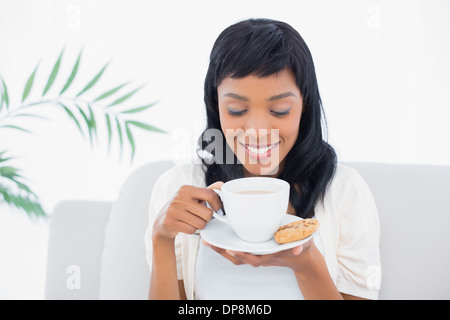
(75,246)
(124,270)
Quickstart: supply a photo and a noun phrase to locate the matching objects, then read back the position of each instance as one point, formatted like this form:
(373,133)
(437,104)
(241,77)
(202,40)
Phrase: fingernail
(231,253)
(206,244)
(298,250)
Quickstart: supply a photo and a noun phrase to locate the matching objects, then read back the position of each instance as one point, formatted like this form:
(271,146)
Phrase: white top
(349,230)
(216,278)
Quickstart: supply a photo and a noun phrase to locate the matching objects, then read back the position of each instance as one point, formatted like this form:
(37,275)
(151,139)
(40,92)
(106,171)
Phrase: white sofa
(96,249)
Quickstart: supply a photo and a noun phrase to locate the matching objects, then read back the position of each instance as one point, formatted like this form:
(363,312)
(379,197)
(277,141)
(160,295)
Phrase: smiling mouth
(259,151)
(259,148)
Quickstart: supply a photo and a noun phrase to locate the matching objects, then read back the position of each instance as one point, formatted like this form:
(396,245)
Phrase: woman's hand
(306,261)
(186,211)
(295,258)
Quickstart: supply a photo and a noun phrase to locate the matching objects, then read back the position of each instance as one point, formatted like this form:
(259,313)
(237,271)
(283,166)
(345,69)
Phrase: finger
(198,209)
(216,185)
(297,250)
(223,253)
(216,205)
(248,258)
(208,195)
(205,243)
(191,219)
(184,227)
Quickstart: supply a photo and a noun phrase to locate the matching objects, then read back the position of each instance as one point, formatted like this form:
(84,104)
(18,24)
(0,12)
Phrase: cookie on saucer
(297,230)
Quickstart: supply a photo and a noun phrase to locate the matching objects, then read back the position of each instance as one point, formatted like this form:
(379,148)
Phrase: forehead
(259,86)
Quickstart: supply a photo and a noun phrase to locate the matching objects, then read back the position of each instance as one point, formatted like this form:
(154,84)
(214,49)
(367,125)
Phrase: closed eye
(275,113)
(280,114)
(236,113)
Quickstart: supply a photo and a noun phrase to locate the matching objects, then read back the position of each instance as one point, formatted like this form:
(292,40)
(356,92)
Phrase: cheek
(289,133)
(231,125)
(229,122)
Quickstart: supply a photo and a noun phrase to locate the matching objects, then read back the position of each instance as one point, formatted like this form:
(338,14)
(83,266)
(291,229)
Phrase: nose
(258,123)
(258,129)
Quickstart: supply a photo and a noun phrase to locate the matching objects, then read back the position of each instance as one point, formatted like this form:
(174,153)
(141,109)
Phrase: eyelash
(280,114)
(276,114)
(237,113)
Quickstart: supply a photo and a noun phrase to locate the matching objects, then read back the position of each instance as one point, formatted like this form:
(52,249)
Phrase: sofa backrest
(107,243)
(414,206)
(124,271)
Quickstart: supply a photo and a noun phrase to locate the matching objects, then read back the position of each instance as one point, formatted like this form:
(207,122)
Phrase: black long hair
(263,47)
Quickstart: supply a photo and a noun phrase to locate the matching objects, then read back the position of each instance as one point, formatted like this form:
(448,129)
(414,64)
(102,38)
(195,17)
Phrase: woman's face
(260,118)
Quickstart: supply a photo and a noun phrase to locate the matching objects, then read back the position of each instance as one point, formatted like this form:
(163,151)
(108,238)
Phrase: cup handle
(219,215)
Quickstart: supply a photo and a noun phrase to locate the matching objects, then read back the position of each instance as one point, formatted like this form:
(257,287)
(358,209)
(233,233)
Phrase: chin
(262,170)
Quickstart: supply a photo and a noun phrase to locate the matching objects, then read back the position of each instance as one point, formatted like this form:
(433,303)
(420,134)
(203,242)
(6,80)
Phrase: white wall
(382,66)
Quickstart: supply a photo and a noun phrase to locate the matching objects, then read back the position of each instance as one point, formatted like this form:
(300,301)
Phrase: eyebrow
(273,98)
(236,96)
(281,96)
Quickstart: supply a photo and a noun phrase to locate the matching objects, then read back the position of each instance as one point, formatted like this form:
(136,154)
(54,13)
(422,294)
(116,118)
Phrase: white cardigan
(349,230)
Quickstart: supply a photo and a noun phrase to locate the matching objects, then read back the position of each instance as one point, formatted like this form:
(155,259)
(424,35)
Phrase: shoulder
(347,188)
(346,178)
(345,174)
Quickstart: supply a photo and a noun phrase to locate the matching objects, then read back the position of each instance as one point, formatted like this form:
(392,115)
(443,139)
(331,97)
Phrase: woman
(261,81)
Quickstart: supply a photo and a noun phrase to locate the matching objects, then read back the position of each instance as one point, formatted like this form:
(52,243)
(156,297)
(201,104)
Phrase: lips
(259,151)
(259,146)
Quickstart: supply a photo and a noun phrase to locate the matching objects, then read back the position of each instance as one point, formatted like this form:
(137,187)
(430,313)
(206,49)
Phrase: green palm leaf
(29,84)
(110,92)
(3,159)
(24,187)
(93,81)
(72,116)
(88,122)
(4,95)
(131,140)
(92,121)
(27,202)
(15,192)
(125,97)
(2,99)
(53,74)
(108,125)
(83,112)
(139,109)
(119,132)
(16,128)
(9,172)
(72,74)
(145,126)
(19,115)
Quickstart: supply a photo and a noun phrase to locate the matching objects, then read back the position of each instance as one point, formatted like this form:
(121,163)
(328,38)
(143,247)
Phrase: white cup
(254,217)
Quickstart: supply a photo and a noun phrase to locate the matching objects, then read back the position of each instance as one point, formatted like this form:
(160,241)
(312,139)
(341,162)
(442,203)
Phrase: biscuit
(297,230)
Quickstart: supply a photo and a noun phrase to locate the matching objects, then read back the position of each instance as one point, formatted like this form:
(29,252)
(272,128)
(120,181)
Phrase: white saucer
(221,235)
